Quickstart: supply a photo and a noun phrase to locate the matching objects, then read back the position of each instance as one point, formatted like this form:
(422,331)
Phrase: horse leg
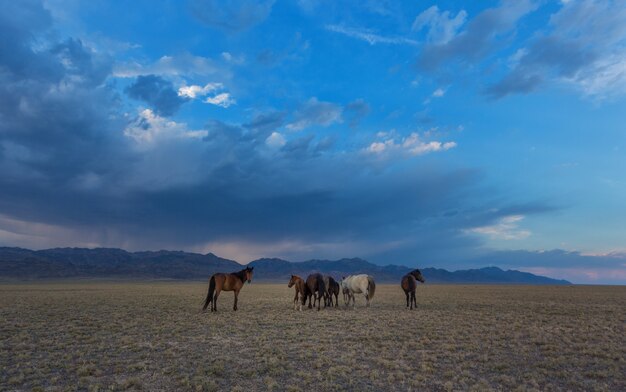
(407,299)
(236,295)
(319,300)
(309,296)
(413,298)
(337,300)
(218,289)
(295,301)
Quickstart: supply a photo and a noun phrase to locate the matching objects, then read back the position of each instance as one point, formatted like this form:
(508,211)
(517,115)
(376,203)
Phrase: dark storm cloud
(159,93)
(231,15)
(57,113)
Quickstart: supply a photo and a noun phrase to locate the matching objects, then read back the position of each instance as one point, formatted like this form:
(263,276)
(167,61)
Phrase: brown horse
(315,284)
(409,285)
(227,282)
(300,286)
(332,288)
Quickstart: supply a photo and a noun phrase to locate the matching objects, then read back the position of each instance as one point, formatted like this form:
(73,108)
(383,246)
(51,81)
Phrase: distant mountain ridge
(62,263)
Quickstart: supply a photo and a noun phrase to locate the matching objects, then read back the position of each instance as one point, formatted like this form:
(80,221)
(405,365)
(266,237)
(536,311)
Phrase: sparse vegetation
(150,336)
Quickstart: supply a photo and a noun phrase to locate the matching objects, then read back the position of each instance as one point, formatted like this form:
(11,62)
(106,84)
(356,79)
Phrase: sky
(453,135)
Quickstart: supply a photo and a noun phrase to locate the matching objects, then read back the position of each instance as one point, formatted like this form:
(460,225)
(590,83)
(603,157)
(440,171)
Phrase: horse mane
(241,275)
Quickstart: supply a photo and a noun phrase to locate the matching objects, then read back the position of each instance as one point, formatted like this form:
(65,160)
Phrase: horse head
(417,275)
(248,272)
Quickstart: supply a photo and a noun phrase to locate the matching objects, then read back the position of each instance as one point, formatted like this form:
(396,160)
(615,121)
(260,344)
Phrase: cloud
(441,26)
(275,140)
(157,92)
(222,99)
(59,116)
(75,169)
(505,229)
(584,47)
(438,93)
(231,15)
(315,112)
(263,123)
(412,144)
(369,36)
(149,129)
(195,91)
(480,37)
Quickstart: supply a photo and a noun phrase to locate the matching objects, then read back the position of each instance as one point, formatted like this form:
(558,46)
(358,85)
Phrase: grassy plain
(150,336)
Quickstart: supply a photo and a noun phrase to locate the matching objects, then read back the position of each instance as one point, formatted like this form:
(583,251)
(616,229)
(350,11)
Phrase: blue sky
(454,135)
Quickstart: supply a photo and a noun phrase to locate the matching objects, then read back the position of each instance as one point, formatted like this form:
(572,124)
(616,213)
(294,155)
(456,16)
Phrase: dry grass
(100,337)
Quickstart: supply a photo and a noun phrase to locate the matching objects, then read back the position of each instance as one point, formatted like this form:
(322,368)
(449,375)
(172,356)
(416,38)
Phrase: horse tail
(371,287)
(209,296)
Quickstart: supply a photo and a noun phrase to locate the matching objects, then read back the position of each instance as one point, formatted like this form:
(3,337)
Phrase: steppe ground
(150,336)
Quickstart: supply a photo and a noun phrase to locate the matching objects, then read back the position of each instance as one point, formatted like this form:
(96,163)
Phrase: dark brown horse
(315,284)
(409,285)
(227,282)
(332,288)
(300,286)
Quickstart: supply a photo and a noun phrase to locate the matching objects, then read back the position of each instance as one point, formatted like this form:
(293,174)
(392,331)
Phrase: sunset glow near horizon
(455,135)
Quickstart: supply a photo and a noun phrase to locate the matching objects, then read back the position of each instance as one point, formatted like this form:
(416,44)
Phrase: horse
(315,283)
(332,288)
(300,287)
(359,284)
(227,282)
(409,285)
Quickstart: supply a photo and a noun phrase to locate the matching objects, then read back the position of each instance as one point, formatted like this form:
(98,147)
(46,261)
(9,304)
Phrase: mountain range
(111,263)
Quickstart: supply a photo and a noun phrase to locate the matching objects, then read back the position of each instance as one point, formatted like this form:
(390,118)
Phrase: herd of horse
(315,288)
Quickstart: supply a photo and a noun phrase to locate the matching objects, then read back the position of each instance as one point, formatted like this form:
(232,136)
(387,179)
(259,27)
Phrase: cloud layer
(272,131)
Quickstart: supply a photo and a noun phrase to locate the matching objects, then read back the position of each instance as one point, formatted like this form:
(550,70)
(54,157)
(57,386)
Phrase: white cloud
(439,93)
(275,140)
(411,144)
(223,99)
(369,36)
(507,228)
(194,91)
(150,128)
(442,26)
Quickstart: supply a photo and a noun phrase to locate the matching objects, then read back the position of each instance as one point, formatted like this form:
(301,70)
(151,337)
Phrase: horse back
(315,282)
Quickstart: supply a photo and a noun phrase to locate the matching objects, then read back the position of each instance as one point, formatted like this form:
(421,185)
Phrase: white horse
(359,284)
